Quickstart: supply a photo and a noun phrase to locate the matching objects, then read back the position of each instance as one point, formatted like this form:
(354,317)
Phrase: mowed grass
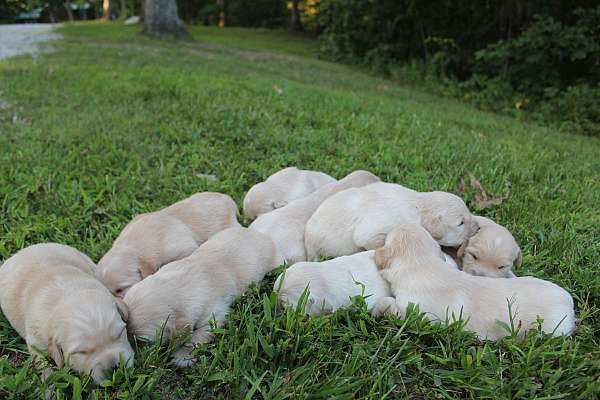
(112,124)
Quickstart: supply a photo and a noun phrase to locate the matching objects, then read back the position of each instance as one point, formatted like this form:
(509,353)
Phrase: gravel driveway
(23,39)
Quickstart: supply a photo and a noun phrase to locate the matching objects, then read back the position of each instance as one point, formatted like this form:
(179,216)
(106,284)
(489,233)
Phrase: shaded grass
(112,124)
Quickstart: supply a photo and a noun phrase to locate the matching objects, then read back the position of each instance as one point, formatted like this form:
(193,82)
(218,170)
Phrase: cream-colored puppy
(359,219)
(286,225)
(492,251)
(154,239)
(333,283)
(410,262)
(186,295)
(50,296)
(282,188)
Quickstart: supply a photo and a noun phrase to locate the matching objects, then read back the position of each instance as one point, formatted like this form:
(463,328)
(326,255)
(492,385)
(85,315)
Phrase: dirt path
(23,39)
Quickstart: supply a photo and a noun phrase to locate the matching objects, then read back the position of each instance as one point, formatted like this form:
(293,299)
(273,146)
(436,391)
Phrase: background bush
(541,56)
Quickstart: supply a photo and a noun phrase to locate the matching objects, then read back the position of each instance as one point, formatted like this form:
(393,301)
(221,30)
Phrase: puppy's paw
(183,357)
(385,306)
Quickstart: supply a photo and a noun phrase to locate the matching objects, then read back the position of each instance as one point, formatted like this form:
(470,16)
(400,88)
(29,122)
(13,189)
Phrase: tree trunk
(221,5)
(160,18)
(296,23)
(106,10)
(123,12)
(68,10)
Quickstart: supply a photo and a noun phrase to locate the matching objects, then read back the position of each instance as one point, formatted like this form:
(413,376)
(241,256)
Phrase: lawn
(111,124)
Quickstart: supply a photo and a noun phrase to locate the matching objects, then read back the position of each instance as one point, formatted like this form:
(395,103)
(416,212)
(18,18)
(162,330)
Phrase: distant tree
(296,23)
(221,5)
(67,5)
(106,9)
(160,19)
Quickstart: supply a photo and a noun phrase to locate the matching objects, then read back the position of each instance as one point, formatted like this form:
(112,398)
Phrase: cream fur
(49,294)
(154,239)
(359,219)
(286,225)
(282,188)
(492,251)
(186,295)
(333,283)
(416,275)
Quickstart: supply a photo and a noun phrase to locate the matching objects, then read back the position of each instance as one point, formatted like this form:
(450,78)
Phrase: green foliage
(548,54)
(248,13)
(112,124)
(10,8)
(257,13)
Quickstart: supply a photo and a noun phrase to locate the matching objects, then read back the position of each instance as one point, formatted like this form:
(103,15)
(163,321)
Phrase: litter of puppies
(177,270)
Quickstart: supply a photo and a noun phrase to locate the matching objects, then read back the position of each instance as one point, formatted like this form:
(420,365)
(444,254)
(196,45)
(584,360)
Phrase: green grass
(112,124)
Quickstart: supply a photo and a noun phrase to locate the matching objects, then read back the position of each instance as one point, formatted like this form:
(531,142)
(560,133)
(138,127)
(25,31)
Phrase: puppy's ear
(519,259)
(433,224)
(55,351)
(460,253)
(474,227)
(278,203)
(381,258)
(122,308)
(145,270)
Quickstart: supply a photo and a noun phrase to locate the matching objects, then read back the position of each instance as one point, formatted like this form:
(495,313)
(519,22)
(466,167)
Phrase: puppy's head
(409,240)
(492,252)
(151,316)
(446,218)
(120,269)
(88,331)
(259,200)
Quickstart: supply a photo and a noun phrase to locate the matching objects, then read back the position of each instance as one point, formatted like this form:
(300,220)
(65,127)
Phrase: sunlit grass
(111,124)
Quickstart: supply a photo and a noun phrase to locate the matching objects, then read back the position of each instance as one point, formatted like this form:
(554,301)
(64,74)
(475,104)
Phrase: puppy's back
(205,213)
(246,252)
(36,272)
(332,283)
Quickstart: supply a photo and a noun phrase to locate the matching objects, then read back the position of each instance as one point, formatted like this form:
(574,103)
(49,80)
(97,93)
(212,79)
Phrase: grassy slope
(111,124)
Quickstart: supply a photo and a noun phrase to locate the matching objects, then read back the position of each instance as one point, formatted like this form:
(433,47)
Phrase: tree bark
(123,12)
(221,5)
(68,10)
(106,10)
(296,23)
(160,19)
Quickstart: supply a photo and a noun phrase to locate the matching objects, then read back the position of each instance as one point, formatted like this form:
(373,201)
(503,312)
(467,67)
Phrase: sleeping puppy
(286,225)
(333,283)
(154,239)
(186,295)
(359,219)
(50,296)
(411,263)
(281,188)
(492,251)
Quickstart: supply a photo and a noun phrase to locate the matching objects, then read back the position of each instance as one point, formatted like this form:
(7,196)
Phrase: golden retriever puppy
(154,239)
(185,296)
(492,251)
(359,219)
(333,283)
(286,225)
(281,188)
(50,296)
(410,262)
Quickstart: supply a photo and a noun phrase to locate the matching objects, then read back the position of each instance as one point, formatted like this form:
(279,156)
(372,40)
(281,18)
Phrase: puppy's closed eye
(120,333)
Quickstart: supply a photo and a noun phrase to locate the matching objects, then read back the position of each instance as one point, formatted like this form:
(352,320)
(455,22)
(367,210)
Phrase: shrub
(548,54)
